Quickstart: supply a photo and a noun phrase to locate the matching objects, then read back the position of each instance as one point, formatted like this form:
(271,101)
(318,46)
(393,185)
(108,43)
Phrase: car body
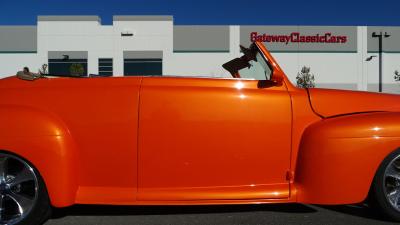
(189,141)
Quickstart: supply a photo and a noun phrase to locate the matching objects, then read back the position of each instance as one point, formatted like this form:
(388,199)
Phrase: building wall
(10,63)
(201,50)
(155,34)
(205,58)
(18,47)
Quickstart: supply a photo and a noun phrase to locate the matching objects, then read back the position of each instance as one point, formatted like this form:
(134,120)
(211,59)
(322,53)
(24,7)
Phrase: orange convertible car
(253,138)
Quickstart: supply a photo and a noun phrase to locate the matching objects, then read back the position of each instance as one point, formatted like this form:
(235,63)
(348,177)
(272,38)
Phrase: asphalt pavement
(284,214)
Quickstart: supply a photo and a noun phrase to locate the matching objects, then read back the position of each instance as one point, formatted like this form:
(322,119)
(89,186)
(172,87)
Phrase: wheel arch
(338,157)
(43,139)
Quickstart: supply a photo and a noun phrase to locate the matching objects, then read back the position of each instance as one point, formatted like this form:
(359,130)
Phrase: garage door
(68,63)
(148,63)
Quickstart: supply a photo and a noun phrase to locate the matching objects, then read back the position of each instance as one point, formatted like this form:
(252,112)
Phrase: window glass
(142,67)
(106,66)
(258,69)
(67,67)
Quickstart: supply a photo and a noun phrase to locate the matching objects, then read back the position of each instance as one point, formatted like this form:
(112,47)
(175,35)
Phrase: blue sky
(243,12)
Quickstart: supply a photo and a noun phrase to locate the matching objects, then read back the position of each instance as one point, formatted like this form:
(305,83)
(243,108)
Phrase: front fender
(338,157)
(44,140)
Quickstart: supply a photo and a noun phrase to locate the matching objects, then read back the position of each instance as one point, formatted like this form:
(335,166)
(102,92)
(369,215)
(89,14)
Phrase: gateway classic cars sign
(296,37)
(302,38)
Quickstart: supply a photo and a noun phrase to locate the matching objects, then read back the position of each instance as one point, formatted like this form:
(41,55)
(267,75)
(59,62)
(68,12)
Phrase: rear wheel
(385,190)
(23,195)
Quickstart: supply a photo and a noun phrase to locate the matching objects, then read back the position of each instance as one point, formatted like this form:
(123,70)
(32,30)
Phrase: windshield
(252,65)
(258,69)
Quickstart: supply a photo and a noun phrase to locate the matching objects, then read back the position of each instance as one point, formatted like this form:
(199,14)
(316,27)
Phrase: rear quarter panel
(81,134)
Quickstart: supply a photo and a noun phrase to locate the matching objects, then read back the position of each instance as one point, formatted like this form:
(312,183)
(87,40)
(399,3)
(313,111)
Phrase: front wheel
(385,190)
(23,194)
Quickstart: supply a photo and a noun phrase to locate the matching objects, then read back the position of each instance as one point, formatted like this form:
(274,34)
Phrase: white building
(153,45)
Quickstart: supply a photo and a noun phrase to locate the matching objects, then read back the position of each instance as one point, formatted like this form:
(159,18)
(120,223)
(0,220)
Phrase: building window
(106,66)
(68,66)
(146,67)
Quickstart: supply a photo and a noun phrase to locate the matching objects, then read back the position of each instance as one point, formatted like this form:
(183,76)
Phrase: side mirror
(276,80)
(266,83)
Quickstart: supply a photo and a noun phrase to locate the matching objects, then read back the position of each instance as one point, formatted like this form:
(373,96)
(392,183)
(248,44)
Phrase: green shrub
(305,79)
(76,70)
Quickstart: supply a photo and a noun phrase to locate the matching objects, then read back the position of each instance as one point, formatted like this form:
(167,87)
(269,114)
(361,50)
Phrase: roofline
(18,26)
(70,18)
(143,18)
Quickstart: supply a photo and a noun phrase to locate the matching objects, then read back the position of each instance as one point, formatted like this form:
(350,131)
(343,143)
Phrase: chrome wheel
(392,183)
(18,189)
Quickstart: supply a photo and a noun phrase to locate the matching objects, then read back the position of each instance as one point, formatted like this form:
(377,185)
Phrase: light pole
(380,36)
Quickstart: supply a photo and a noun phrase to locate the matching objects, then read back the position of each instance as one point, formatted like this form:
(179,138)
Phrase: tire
(385,189)
(23,194)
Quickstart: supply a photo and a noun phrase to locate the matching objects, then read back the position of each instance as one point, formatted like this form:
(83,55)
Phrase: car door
(209,139)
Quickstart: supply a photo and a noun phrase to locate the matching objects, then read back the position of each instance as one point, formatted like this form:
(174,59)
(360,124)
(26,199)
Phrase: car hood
(327,102)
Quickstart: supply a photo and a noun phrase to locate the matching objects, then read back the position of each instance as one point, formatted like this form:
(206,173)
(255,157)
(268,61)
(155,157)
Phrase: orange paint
(169,140)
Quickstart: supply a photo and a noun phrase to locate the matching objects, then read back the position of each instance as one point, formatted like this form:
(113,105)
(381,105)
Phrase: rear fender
(44,140)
